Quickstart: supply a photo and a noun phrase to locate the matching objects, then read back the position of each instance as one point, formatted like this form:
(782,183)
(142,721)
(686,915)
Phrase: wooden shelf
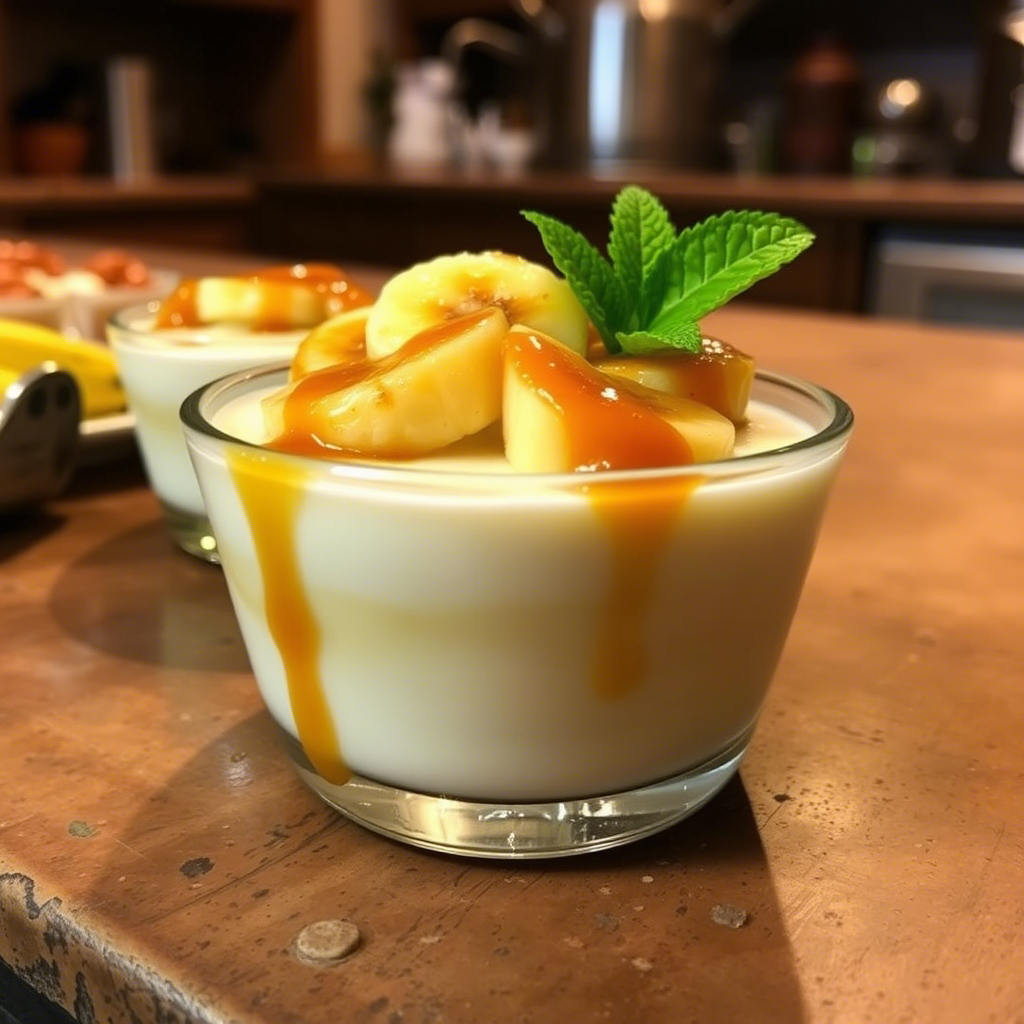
(894,199)
(400,217)
(212,213)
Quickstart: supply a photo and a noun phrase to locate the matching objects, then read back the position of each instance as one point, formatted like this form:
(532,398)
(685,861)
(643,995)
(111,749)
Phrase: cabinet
(234,81)
(391,219)
(378,216)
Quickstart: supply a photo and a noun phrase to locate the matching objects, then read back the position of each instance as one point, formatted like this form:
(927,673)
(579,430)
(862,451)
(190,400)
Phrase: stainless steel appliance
(617,81)
(974,279)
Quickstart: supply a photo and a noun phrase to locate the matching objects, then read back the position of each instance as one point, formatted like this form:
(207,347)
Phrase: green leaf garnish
(725,254)
(686,335)
(591,277)
(641,233)
(660,283)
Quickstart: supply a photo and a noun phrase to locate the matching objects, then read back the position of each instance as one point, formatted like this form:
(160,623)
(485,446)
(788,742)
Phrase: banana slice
(247,302)
(452,286)
(443,385)
(336,342)
(562,415)
(719,376)
(273,299)
(24,346)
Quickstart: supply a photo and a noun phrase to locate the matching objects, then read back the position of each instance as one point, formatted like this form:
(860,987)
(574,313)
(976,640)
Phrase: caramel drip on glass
(610,428)
(640,518)
(271,492)
(277,286)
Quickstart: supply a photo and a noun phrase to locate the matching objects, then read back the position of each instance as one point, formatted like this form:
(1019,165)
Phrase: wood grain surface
(158,857)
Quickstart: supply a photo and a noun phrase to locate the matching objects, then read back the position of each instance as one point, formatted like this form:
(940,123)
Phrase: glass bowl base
(523,831)
(191,532)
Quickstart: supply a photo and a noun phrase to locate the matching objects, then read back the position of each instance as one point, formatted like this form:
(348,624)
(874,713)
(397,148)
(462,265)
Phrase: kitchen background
(383,130)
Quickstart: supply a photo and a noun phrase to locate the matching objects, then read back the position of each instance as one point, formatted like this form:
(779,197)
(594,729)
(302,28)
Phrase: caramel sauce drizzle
(701,376)
(607,425)
(703,381)
(277,285)
(180,308)
(271,492)
(610,428)
(708,373)
(301,410)
(640,518)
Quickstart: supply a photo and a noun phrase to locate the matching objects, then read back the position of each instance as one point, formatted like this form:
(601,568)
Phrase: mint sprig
(589,274)
(659,283)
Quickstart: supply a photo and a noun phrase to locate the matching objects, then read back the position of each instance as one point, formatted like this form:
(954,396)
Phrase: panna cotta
(450,627)
(500,600)
(207,328)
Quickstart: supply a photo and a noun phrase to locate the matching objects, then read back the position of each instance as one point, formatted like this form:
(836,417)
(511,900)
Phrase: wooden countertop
(158,856)
(940,200)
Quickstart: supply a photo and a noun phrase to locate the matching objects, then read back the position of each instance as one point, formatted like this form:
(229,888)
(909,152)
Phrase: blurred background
(385,131)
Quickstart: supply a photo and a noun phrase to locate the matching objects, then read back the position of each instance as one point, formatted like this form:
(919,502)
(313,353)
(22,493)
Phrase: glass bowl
(507,665)
(158,370)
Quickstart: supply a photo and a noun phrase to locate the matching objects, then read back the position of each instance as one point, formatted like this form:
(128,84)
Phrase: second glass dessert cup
(158,370)
(507,665)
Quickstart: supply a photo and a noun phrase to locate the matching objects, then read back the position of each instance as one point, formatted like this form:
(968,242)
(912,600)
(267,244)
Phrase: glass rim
(834,432)
(205,344)
(119,317)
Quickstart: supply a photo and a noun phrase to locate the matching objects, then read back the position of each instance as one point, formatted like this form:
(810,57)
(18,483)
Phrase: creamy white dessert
(158,369)
(500,638)
(474,564)
(515,556)
(206,329)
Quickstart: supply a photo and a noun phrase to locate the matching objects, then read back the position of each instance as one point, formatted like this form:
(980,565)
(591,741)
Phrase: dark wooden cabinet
(403,226)
(394,218)
(233,81)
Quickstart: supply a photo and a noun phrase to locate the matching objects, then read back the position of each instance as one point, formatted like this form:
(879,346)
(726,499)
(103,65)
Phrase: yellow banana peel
(25,345)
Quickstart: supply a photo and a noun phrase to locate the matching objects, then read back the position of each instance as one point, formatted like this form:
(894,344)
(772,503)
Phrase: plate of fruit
(39,284)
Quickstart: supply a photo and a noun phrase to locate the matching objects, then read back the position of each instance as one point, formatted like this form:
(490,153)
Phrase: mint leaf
(685,335)
(591,277)
(641,234)
(724,255)
(659,284)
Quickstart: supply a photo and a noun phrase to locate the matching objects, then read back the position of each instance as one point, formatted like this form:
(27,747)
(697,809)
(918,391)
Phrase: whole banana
(25,345)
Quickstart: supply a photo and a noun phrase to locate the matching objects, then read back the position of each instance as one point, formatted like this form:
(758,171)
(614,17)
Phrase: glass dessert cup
(158,370)
(504,665)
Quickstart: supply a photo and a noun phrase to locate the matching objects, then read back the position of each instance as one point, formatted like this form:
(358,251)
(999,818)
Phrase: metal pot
(618,81)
